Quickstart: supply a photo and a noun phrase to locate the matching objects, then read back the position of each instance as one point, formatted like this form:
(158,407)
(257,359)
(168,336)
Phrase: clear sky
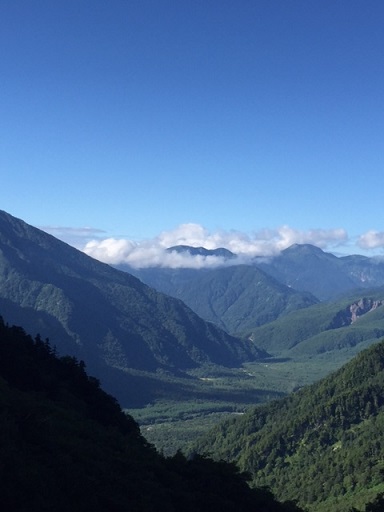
(196,121)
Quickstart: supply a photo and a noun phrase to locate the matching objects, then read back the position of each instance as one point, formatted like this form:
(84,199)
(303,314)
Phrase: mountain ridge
(235,297)
(202,251)
(298,277)
(110,317)
(306,268)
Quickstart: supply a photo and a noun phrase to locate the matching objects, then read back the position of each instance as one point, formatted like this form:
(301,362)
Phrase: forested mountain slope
(106,317)
(322,446)
(236,298)
(242,297)
(66,446)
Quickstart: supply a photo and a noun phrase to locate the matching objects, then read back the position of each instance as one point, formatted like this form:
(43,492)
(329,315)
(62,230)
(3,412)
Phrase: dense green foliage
(67,446)
(322,445)
(235,298)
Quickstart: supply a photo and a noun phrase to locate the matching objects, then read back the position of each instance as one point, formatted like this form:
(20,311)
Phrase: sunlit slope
(322,445)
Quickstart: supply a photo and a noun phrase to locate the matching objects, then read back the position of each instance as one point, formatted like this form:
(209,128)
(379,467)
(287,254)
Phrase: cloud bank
(152,253)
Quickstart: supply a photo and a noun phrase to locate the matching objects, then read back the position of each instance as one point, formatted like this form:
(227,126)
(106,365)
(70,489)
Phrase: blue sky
(153,122)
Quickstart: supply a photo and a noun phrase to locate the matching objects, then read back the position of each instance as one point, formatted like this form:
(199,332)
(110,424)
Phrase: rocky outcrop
(362,307)
(353,312)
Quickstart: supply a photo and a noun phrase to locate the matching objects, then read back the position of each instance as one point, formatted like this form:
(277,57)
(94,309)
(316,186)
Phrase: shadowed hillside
(67,446)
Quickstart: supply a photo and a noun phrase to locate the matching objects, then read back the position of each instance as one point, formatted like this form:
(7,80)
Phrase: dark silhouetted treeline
(67,446)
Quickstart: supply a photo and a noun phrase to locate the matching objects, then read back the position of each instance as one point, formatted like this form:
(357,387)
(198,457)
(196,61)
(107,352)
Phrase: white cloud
(323,238)
(150,253)
(153,252)
(371,240)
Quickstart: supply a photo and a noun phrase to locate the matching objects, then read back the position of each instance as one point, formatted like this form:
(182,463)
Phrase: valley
(216,393)
(203,358)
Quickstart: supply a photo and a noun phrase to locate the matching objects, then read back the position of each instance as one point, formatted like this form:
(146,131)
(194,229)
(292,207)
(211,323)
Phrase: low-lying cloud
(152,253)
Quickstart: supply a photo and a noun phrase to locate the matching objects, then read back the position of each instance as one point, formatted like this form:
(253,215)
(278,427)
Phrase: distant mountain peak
(303,248)
(202,251)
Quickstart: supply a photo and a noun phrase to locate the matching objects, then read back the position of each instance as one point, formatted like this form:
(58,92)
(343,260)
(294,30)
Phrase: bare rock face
(362,307)
(354,311)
